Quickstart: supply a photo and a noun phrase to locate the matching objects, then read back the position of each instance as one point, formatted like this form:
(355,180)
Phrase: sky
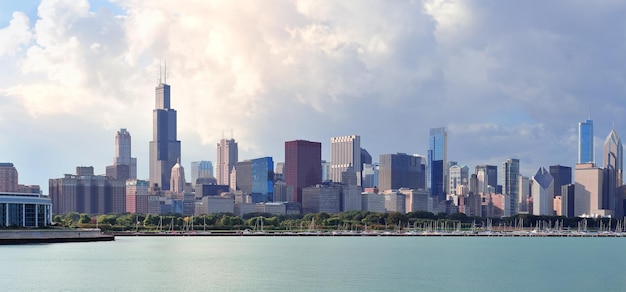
(508,79)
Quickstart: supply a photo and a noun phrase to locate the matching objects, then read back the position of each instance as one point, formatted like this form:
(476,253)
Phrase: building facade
(25,210)
(562,176)
(201,169)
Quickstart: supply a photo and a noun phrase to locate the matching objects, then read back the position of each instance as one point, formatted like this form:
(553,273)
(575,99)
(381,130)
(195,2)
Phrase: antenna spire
(160,72)
(165,73)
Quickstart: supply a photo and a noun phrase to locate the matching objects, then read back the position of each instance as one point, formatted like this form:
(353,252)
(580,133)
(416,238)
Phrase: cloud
(505,78)
(16,34)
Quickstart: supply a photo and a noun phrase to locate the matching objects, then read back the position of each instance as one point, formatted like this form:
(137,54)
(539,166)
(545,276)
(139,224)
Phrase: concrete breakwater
(29,236)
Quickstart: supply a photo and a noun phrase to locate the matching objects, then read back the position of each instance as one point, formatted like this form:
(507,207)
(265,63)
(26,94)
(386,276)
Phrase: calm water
(318,264)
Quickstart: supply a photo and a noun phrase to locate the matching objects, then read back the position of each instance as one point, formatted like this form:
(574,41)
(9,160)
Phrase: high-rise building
(371,175)
(458,175)
(543,193)
(321,198)
(201,169)
(137,196)
(510,188)
(87,193)
(303,166)
(585,142)
(401,170)
(177,179)
(588,190)
(613,168)
(8,177)
(438,162)
(124,166)
(164,147)
(487,176)
(254,178)
(524,193)
(562,176)
(227,157)
(345,152)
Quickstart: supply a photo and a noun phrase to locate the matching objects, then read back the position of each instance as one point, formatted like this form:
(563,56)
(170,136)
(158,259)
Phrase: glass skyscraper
(585,142)
(164,147)
(437,162)
(262,180)
(510,187)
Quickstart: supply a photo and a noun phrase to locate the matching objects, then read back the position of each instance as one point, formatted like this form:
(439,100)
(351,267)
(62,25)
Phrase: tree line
(352,220)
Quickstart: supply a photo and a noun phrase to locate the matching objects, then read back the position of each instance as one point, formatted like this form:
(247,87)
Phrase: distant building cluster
(304,183)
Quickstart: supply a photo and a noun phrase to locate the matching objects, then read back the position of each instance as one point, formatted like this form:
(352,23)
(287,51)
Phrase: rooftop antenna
(165,73)
(160,71)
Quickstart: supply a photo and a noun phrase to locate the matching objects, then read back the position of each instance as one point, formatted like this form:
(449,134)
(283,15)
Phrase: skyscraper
(401,170)
(562,176)
(177,178)
(303,166)
(510,188)
(543,193)
(8,177)
(345,152)
(227,157)
(457,175)
(124,166)
(585,142)
(201,169)
(487,176)
(613,168)
(164,147)
(438,161)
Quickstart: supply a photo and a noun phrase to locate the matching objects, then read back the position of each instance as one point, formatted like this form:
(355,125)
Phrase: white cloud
(503,82)
(15,35)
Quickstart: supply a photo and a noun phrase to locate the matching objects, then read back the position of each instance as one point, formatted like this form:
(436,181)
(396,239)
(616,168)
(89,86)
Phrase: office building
(345,152)
(87,193)
(417,200)
(613,177)
(322,198)
(227,157)
(487,176)
(303,166)
(562,176)
(588,190)
(254,178)
(8,177)
(395,201)
(585,142)
(372,202)
(543,193)
(124,166)
(567,200)
(401,170)
(510,187)
(524,184)
(164,147)
(438,162)
(371,175)
(137,196)
(351,198)
(458,175)
(201,169)
(177,179)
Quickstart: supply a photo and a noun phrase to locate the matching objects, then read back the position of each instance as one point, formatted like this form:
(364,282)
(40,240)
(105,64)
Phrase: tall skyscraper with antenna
(164,147)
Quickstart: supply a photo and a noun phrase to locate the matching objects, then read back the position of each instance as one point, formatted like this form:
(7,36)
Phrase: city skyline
(517,89)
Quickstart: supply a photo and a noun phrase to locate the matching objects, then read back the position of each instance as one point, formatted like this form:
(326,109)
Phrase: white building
(345,151)
(543,193)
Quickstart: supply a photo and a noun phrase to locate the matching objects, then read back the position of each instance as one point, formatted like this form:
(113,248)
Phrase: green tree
(84,219)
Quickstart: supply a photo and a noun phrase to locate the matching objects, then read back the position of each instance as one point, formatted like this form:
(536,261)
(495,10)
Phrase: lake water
(318,264)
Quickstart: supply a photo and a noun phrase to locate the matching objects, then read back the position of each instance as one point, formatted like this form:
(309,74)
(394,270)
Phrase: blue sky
(506,78)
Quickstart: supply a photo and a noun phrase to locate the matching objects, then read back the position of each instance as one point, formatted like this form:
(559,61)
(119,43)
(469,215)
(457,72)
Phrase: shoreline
(375,234)
(35,236)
